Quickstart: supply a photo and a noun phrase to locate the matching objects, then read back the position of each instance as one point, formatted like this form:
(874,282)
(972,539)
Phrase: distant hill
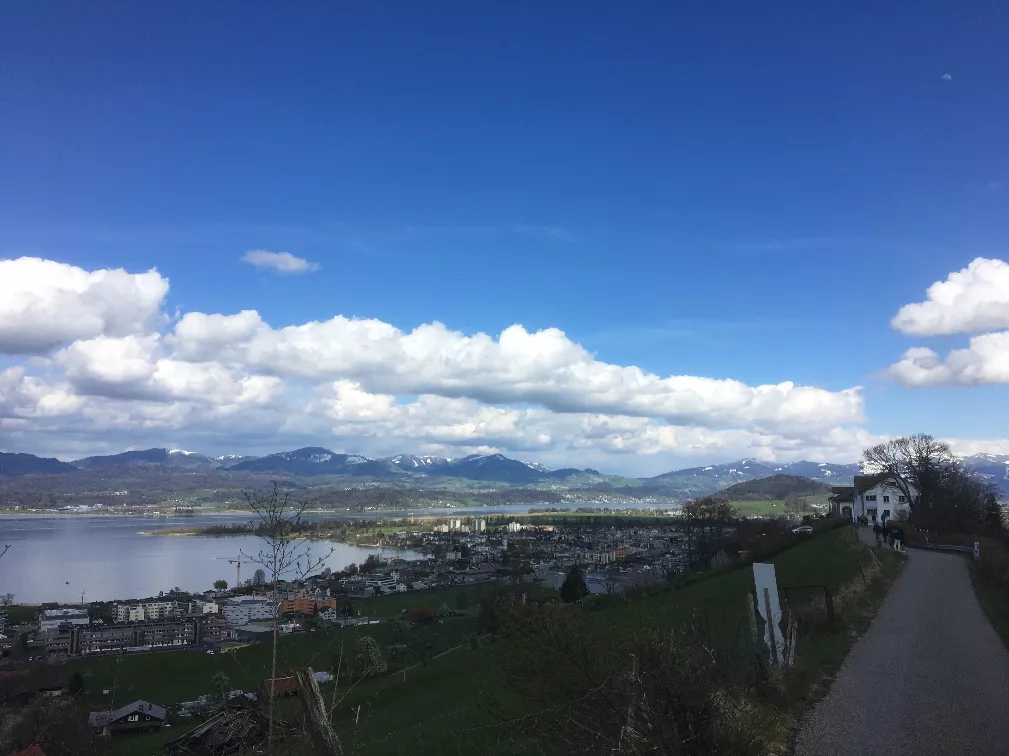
(175,458)
(14,465)
(774,488)
(496,468)
(703,481)
(315,460)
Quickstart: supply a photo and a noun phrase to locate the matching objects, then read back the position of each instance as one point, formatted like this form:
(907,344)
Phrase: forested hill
(774,488)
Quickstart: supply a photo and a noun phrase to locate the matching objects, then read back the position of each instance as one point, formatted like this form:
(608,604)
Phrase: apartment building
(51,619)
(241,610)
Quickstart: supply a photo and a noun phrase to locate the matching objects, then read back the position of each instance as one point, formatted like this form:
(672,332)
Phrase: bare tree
(285,554)
(611,581)
(918,465)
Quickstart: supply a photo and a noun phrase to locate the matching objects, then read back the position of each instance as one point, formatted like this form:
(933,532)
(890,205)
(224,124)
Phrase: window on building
(133,718)
(902,499)
(886,499)
(871,498)
(886,514)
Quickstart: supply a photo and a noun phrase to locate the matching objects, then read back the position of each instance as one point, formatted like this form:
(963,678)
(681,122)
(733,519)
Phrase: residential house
(281,687)
(139,716)
(877,497)
(19,685)
(842,500)
(306,606)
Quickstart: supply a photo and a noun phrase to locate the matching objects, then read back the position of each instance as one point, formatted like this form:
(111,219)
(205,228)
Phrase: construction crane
(237,561)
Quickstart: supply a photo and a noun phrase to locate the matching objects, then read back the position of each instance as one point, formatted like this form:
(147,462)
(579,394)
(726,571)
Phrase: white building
(51,619)
(386,583)
(241,610)
(877,497)
(481,526)
(201,607)
(146,610)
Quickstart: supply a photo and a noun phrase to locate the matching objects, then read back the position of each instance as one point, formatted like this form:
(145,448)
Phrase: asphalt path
(930,676)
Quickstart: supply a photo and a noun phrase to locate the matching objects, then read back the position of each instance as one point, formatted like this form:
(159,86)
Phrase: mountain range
(498,469)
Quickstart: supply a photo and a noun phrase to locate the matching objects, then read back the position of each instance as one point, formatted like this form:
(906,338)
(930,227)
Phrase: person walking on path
(877,531)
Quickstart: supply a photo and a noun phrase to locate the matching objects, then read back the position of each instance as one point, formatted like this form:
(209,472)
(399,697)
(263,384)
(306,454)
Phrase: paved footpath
(930,676)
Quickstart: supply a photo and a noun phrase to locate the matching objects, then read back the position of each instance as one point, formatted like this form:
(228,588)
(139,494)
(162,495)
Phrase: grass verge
(993,599)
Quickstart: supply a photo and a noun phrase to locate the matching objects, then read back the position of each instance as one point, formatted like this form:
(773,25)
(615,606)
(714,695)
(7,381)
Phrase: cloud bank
(115,373)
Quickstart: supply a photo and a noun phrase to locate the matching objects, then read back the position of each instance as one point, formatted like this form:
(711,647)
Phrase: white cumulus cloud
(971,300)
(45,303)
(985,361)
(111,375)
(280,262)
(544,368)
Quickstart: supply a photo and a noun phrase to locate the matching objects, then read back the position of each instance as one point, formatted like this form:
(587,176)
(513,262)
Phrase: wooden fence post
(316,718)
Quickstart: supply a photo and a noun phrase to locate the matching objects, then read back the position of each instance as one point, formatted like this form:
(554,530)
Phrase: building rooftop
(57,613)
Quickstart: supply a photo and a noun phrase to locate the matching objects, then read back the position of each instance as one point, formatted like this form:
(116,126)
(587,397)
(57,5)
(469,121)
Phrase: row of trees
(946,494)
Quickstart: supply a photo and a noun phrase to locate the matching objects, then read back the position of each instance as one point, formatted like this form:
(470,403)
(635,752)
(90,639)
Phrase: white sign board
(770,609)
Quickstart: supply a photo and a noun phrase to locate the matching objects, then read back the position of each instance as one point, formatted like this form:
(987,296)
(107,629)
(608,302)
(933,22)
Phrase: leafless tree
(611,581)
(286,554)
(919,462)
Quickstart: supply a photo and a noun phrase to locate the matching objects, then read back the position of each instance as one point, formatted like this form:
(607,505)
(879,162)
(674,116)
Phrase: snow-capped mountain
(314,460)
(227,460)
(995,467)
(415,463)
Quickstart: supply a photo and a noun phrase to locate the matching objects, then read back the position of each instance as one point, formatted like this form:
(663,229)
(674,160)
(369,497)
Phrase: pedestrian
(898,539)
(877,531)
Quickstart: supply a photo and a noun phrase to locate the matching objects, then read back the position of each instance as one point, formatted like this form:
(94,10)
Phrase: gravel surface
(930,676)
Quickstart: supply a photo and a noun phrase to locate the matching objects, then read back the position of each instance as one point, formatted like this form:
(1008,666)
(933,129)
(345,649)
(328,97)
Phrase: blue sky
(728,190)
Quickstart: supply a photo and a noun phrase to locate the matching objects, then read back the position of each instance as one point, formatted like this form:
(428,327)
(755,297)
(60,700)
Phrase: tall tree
(574,588)
(220,686)
(259,577)
(220,585)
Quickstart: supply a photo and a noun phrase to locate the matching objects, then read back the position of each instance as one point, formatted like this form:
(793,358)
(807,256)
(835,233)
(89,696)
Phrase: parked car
(803,530)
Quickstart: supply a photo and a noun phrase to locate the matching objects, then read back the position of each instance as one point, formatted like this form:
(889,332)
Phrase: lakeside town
(457,552)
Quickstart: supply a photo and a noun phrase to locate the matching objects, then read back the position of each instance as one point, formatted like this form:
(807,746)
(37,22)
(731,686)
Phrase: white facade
(883,501)
(202,607)
(241,610)
(146,610)
(51,619)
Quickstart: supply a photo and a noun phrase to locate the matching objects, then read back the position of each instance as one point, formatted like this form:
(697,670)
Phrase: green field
(766,508)
(450,705)
(391,605)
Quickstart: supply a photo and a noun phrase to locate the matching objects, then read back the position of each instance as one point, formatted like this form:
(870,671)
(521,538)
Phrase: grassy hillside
(470,699)
(774,488)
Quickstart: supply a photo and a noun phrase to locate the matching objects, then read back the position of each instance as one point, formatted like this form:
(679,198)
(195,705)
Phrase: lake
(54,558)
